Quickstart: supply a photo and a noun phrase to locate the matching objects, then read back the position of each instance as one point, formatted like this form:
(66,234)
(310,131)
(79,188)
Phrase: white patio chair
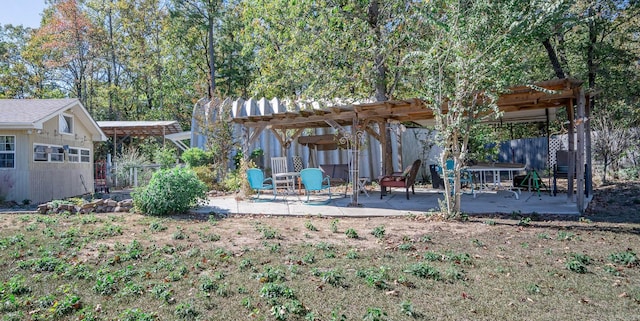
(279,166)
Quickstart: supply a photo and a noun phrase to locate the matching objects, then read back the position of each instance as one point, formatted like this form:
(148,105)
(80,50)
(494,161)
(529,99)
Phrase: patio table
(290,177)
(493,170)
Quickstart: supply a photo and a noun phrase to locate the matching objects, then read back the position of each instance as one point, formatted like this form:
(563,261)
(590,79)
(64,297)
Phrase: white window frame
(85,155)
(52,153)
(78,155)
(73,155)
(4,151)
(66,124)
(40,153)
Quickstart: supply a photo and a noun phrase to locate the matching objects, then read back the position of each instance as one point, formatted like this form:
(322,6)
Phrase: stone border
(95,206)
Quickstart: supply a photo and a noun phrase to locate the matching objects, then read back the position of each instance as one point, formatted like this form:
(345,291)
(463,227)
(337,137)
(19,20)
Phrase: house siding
(13,186)
(44,181)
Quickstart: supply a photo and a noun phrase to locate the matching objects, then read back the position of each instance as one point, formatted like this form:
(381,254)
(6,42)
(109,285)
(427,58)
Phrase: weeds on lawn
(334,226)
(525,221)
(375,314)
(309,226)
(130,267)
(578,263)
(351,233)
(627,258)
(565,236)
(268,232)
(378,232)
(424,270)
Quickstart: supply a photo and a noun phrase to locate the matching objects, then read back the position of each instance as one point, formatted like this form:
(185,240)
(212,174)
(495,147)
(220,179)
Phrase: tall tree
(15,73)
(66,40)
(329,49)
(471,56)
(234,65)
(203,13)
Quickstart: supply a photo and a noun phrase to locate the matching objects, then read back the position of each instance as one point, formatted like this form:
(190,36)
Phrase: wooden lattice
(555,144)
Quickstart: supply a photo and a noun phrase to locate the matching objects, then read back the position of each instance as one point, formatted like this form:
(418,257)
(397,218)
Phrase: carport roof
(139,128)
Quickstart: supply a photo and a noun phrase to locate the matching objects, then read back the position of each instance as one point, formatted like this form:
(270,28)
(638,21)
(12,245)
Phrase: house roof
(139,128)
(33,113)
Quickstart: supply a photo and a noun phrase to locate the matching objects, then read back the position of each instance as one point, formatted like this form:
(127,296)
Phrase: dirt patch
(619,202)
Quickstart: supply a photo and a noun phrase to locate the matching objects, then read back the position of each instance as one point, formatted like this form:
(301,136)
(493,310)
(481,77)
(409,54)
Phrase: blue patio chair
(257,182)
(314,179)
(466,178)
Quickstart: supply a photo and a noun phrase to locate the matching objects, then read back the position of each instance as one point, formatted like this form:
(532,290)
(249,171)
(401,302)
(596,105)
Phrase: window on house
(7,151)
(85,156)
(45,153)
(73,156)
(57,154)
(66,124)
(40,153)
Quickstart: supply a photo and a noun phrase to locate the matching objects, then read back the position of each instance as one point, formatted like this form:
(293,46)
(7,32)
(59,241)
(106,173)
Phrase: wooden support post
(115,141)
(587,142)
(580,152)
(385,141)
(398,133)
(245,143)
(571,147)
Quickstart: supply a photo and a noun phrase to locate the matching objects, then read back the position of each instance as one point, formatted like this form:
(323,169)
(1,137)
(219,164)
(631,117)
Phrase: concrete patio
(394,204)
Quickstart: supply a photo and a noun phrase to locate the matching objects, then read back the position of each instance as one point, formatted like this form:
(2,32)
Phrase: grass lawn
(135,267)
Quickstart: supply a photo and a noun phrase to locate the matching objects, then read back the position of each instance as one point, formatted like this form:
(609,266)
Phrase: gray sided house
(46,149)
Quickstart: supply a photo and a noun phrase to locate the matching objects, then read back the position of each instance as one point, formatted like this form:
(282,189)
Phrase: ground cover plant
(134,267)
(129,266)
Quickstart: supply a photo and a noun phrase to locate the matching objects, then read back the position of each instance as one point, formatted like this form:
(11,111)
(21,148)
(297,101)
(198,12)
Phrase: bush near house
(194,157)
(169,192)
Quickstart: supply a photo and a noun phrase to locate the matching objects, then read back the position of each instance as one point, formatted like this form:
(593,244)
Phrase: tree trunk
(380,77)
(591,67)
(111,79)
(553,58)
(212,67)
(604,170)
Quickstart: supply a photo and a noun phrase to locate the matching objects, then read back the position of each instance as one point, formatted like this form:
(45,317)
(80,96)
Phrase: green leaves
(169,191)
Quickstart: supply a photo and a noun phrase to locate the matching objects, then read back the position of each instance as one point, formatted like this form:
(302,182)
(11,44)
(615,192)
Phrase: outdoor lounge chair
(406,179)
(258,183)
(314,180)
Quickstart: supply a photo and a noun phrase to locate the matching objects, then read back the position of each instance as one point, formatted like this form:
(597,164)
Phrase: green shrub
(233,181)
(206,175)
(196,157)
(165,157)
(169,192)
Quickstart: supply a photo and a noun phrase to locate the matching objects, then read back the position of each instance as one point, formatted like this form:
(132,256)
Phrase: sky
(21,12)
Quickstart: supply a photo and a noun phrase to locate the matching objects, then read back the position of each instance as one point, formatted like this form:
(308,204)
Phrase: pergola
(537,102)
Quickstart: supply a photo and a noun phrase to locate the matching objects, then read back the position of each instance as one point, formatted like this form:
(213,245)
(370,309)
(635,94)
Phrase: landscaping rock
(96,206)
(44,208)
